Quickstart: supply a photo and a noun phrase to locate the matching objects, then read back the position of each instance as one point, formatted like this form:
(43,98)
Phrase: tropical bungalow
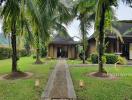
(113,44)
(63,46)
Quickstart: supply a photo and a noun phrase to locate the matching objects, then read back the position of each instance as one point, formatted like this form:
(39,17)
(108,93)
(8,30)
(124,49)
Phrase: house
(113,44)
(62,46)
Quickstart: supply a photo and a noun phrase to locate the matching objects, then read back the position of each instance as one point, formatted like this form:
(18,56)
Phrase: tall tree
(50,15)
(86,14)
(103,7)
(10,13)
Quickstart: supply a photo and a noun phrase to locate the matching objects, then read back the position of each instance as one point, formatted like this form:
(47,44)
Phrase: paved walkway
(59,86)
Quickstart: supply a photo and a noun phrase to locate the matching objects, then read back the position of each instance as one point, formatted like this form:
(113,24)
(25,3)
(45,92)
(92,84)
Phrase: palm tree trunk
(37,55)
(14,50)
(101,39)
(38,61)
(83,51)
(83,35)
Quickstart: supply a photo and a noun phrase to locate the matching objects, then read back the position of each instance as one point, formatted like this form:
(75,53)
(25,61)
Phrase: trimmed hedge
(6,53)
(94,58)
(110,58)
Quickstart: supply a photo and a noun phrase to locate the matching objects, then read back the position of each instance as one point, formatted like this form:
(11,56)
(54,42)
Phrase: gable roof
(122,26)
(61,39)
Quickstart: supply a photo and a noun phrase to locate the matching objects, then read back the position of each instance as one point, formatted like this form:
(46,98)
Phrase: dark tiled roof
(122,27)
(61,39)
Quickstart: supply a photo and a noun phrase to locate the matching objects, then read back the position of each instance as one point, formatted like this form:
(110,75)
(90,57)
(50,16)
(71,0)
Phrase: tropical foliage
(34,21)
(85,12)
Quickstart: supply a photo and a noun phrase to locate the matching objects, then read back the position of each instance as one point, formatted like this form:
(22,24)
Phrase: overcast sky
(123,13)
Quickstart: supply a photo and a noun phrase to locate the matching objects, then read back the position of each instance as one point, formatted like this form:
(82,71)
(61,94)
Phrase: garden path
(59,86)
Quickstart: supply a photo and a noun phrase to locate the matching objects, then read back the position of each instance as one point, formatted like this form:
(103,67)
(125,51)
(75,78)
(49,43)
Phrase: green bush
(23,53)
(111,58)
(107,58)
(6,53)
(121,60)
(94,58)
(104,59)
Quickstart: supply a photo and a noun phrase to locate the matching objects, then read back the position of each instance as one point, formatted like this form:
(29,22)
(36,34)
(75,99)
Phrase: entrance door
(62,52)
(130,51)
(125,50)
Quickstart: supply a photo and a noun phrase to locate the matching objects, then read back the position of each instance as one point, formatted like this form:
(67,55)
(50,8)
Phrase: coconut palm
(50,15)
(103,8)
(85,13)
(10,13)
(103,11)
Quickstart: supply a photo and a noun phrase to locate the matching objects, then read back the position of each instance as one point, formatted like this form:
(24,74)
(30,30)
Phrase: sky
(123,13)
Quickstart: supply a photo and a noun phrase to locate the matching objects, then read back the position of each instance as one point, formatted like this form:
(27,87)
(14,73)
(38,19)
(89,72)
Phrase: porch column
(73,52)
(51,51)
(55,52)
(69,51)
(117,48)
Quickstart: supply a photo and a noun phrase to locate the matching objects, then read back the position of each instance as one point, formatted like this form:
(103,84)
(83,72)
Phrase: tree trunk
(37,55)
(84,54)
(38,61)
(14,50)
(101,39)
(83,35)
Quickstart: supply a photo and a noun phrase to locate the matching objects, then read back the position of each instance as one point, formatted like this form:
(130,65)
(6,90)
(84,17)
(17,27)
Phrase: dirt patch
(102,75)
(16,75)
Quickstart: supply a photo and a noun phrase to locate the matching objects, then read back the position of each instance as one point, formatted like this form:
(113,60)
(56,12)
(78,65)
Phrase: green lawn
(102,89)
(76,61)
(24,89)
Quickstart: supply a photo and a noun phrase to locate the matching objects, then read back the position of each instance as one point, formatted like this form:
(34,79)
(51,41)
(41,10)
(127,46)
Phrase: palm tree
(103,6)
(10,13)
(85,13)
(49,15)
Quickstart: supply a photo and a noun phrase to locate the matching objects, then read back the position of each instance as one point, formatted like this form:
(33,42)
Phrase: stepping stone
(59,86)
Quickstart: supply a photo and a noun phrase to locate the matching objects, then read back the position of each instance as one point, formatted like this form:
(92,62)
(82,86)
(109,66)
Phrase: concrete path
(59,86)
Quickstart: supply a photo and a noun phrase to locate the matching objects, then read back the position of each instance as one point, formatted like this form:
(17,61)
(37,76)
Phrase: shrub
(43,52)
(94,58)
(34,56)
(111,58)
(23,53)
(121,60)
(104,59)
(6,52)
(108,58)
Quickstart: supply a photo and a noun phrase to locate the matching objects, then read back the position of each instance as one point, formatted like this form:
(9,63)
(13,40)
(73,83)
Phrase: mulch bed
(102,75)
(16,75)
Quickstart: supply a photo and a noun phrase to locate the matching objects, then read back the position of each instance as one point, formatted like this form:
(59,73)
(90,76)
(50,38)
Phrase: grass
(24,89)
(76,61)
(102,89)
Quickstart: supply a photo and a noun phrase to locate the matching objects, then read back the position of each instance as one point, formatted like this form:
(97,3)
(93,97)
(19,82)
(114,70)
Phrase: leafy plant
(121,60)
